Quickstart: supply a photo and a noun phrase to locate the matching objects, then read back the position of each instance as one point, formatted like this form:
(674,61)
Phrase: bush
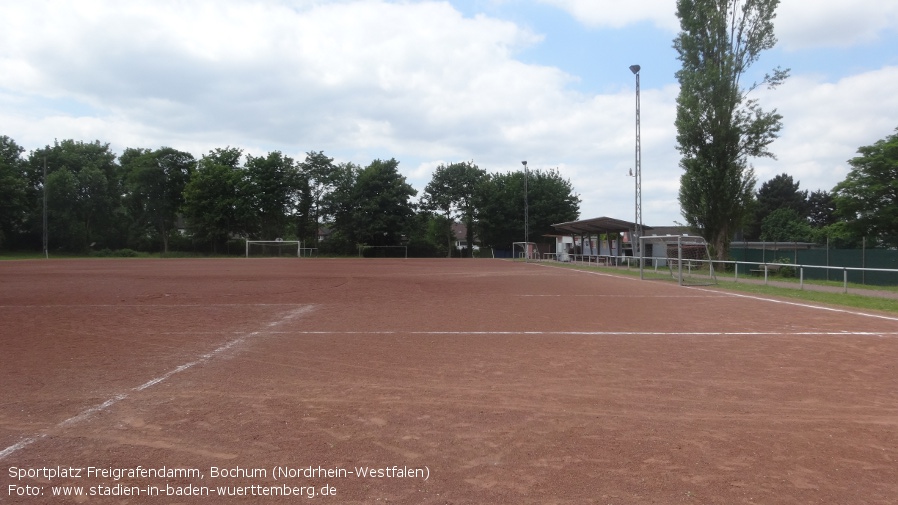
(785,271)
(118,253)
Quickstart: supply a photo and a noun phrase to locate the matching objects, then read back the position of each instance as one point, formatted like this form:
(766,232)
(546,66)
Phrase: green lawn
(745,285)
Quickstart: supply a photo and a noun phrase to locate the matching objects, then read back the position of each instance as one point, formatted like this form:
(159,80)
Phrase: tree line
(167,200)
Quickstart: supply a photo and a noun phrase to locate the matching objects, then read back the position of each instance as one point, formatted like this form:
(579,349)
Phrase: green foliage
(718,126)
(318,176)
(381,205)
(84,195)
(786,271)
(868,197)
(821,209)
(370,206)
(212,204)
(785,225)
(154,191)
(138,202)
(118,253)
(781,192)
(270,189)
(452,191)
(13,203)
(500,206)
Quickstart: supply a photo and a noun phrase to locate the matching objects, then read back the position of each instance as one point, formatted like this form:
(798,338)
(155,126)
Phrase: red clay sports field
(431,381)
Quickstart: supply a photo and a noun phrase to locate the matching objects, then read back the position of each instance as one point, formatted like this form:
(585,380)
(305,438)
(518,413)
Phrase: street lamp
(526,216)
(637,223)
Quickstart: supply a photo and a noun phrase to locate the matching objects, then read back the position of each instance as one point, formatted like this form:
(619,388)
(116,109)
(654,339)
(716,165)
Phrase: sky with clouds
(431,82)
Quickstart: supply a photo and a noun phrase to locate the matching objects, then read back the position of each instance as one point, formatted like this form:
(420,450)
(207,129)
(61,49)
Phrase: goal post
(383,251)
(525,250)
(684,258)
(274,248)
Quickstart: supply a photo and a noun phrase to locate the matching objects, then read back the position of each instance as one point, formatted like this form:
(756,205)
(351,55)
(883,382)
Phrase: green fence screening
(852,258)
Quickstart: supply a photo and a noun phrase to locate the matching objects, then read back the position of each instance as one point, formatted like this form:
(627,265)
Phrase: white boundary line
(606,333)
(798,304)
(89,412)
(148,305)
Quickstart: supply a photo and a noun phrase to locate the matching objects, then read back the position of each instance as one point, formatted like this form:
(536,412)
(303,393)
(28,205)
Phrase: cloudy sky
(430,82)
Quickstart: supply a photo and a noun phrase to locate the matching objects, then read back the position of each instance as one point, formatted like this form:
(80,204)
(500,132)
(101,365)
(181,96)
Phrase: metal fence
(877,267)
(775,267)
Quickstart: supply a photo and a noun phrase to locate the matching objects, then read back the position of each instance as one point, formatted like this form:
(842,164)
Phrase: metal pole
(46,235)
(679,261)
(637,224)
(526,216)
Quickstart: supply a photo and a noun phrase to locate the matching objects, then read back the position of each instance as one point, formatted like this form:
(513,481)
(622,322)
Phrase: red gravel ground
(458,381)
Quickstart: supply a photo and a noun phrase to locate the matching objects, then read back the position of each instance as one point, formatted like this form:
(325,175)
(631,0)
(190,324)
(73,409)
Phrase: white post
(680,260)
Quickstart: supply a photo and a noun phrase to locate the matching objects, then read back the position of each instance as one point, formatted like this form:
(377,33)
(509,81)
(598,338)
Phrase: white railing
(762,269)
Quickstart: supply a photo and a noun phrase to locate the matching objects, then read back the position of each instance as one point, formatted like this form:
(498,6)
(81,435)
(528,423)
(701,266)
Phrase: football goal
(273,248)
(383,251)
(684,258)
(525,250)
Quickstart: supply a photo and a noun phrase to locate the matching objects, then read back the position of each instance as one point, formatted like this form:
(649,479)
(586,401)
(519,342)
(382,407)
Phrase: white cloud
(367,79)
(834,23)
(825,123)
(799,25)
(617,14)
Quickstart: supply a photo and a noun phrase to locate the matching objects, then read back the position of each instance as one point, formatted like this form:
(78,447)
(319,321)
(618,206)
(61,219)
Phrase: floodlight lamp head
(635,69)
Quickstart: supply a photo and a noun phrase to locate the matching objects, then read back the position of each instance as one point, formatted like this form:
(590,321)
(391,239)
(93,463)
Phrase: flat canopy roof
(596,226)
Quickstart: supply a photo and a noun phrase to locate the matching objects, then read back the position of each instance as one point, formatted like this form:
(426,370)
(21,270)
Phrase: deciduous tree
(212,203)
(718,127)
(500,206)
(868,197)
(13,204)
(452,191)
(154,183)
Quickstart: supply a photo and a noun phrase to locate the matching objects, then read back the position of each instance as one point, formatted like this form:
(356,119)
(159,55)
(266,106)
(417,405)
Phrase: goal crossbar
(401,249)
(276,243)
(529,250)
(685,256)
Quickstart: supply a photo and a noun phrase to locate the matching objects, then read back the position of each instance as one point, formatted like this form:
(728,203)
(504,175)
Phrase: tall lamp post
(637,223)
(526,216)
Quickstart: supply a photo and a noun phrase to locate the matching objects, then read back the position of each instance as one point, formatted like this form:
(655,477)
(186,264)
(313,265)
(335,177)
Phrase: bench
(771,268)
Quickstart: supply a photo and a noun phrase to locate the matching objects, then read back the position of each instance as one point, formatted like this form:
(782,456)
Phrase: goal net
(383,251)
(684,258)
(273,248)
(525,250)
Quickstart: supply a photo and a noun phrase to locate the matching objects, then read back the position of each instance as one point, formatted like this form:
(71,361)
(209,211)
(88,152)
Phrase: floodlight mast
(526,216)
(46,235)
(637,223)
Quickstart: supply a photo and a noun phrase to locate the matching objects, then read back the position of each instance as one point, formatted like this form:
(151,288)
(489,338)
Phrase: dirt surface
(457,381)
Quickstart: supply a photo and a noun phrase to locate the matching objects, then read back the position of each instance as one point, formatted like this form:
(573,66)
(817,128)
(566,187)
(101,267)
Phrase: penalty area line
(89,412)
(609,333)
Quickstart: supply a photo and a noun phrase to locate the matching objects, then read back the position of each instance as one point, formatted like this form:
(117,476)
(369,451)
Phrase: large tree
(821,209)
(781,192)
(318,178)
(718,127)
(212,201)
(370,206)
(452,191)
(381,205)
(154,184)
(84,210)
(868,197)
(272,186)
(500,206)
(13,205)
